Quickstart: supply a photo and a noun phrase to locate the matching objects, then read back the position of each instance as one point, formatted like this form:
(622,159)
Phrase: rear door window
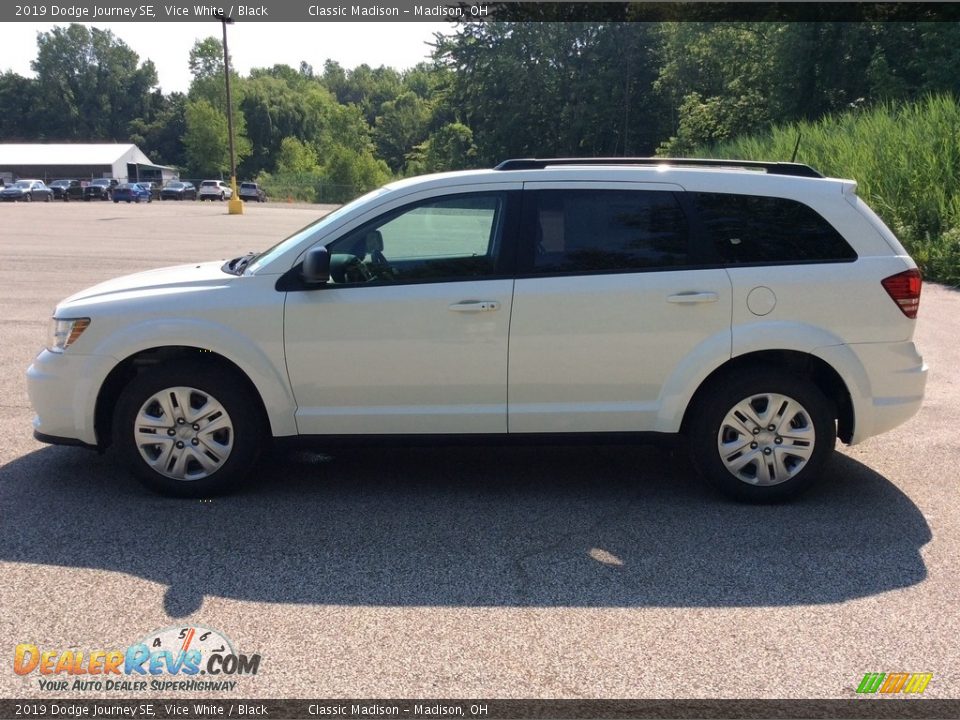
(589,231)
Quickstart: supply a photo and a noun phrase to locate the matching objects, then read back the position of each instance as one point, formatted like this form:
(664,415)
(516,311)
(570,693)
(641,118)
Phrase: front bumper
(63,390)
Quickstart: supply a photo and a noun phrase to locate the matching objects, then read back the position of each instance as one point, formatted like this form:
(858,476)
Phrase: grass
(905,158)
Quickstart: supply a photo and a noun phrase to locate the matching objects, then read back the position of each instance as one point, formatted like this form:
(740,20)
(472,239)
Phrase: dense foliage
(905,158)
(518,88)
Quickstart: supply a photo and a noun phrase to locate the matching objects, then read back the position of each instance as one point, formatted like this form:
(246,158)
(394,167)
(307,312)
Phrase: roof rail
(772,168)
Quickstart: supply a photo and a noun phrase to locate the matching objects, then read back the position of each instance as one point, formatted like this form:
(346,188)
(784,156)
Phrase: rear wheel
(762,436)
(188,430)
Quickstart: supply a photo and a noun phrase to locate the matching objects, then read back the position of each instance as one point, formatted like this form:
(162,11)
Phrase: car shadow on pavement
(541,526)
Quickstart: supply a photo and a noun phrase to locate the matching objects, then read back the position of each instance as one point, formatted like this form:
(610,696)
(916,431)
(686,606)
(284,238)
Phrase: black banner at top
(92,11)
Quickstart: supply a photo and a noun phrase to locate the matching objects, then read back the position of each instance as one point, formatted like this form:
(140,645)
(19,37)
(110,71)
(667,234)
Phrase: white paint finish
(395,359)
(593,353)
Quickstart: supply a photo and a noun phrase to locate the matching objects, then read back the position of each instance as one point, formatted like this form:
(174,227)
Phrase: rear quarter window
(753,229)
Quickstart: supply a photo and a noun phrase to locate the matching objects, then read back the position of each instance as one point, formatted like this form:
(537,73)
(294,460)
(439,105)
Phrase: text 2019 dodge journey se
(759,309)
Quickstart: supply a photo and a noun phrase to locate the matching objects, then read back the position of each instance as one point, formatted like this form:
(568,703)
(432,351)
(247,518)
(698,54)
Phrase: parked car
(131,192)
(214,190)
(759,309)
(66,190)
(27,190)
(100,189)
(178,191)
(152,187)
(251,191)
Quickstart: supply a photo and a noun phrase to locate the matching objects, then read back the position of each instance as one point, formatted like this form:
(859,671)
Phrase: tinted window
(608,230)
(753,229)
(448,238)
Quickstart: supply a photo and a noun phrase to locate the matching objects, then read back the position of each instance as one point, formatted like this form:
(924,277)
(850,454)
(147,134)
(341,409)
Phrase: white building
(81,161)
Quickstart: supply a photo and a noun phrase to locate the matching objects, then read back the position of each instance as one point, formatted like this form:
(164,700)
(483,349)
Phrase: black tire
(221,197)
(210,381)
(47,198)
(777,464)
(29,197)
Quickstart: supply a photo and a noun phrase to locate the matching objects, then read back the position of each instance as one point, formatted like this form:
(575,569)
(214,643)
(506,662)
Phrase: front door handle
(475,306)
(692,298)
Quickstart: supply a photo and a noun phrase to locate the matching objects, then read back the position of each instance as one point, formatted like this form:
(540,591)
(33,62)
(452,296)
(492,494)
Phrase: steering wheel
(380,267)
(355,271)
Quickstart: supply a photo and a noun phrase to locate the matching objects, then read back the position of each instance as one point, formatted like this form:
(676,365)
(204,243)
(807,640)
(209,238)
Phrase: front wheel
(188,430)
(762,436)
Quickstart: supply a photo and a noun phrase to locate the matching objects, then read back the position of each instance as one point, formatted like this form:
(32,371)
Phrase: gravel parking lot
(561,572)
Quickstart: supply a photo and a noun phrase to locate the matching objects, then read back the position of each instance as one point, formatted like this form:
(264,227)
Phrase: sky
(399,45)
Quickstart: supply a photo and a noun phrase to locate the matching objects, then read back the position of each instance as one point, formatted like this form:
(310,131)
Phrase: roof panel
(70,154)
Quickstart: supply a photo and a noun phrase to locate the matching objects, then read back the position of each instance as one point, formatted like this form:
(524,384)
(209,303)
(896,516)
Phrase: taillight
(904,288)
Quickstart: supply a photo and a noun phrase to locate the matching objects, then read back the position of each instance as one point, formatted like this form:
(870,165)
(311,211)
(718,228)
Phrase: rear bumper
(886,382)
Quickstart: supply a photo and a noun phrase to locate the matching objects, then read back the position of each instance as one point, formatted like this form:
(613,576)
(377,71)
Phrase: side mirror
(316,266)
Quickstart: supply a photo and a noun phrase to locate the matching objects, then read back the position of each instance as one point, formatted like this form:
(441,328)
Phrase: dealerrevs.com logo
(192,658)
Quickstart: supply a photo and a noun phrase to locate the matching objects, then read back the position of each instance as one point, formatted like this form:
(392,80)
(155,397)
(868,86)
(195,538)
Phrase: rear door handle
(692,298)
(475,306)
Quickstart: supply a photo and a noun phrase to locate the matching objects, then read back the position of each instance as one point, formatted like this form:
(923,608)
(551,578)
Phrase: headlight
(66,331)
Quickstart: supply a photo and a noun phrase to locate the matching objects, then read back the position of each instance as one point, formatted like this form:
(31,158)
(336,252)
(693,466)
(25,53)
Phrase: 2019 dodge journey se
(759,309)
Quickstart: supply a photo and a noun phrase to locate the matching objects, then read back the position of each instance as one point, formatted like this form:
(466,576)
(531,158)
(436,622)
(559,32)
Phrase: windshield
(174,186)
(312,229)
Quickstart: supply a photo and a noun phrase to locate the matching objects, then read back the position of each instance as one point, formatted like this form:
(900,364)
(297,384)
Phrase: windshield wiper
(238,264)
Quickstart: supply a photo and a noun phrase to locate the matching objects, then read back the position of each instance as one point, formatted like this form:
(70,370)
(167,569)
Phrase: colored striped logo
(890,683)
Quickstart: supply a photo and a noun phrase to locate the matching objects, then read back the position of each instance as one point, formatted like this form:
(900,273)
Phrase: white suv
(758,308)
(214,190)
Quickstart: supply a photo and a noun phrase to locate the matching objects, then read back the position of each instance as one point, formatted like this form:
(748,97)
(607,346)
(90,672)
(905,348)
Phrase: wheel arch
(797,363)
(122,373)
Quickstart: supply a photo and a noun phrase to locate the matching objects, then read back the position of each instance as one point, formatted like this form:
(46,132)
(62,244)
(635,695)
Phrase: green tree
(403,123)
(367,88)
(352,174)
(552,88)
(89,84)
(296,157)
(19,108)
(161,138)
(206,140)
(449,148)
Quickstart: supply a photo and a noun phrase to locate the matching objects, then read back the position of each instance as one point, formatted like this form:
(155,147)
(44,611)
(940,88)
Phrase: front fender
(262,361)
